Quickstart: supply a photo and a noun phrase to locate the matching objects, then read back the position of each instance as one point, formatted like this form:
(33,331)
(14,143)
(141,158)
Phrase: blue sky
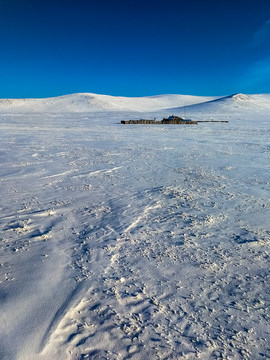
(134,48)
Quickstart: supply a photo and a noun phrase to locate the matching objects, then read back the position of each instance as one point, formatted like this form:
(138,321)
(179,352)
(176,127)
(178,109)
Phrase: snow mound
(242,98)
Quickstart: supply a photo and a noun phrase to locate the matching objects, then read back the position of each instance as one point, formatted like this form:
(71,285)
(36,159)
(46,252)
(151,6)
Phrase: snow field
(134,242)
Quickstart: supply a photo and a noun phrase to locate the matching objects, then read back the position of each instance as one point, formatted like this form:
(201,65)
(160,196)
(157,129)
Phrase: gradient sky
(134,48)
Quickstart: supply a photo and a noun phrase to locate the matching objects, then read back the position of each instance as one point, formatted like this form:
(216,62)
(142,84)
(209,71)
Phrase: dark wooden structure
(171,120)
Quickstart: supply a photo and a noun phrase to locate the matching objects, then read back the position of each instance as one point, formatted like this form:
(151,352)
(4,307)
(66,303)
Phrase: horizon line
(142,96)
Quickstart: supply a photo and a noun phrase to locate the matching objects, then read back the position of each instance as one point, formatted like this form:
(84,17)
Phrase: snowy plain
(134,241)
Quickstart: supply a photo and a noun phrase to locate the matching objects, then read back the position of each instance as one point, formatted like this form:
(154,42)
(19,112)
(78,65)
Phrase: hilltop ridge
(230,104)
(89,102)
(174,103)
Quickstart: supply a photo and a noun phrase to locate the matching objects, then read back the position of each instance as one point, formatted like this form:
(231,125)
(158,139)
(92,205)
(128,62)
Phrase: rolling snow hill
(192,106)
(88,102)
(232,104)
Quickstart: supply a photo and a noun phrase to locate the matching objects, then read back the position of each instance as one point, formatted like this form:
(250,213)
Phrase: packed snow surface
(136,241)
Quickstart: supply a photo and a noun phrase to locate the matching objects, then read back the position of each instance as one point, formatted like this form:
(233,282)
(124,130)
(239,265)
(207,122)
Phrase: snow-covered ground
(136,241)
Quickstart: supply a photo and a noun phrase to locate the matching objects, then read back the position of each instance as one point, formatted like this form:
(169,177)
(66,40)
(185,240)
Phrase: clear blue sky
(134,47)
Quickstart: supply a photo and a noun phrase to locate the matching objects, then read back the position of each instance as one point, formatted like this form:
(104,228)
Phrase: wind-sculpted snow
(134,242)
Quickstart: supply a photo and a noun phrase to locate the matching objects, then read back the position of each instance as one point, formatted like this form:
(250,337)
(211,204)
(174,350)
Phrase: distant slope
(229,105)
(88,102)
(171,104)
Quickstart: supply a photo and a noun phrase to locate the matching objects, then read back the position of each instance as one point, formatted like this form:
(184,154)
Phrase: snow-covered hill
(197,107)
(229,105)
(88,102)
